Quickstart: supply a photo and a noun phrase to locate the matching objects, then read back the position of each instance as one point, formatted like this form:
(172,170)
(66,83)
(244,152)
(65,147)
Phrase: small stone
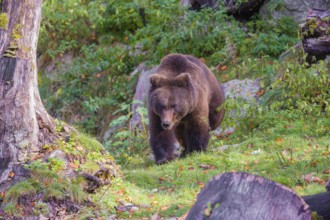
(154,190)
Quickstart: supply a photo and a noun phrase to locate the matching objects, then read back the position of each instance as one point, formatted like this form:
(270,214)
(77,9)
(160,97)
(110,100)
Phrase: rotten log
(246,196)
(243,10)
(316,35)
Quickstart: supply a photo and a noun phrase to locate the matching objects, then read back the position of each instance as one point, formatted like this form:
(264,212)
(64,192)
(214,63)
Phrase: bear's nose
(166,124)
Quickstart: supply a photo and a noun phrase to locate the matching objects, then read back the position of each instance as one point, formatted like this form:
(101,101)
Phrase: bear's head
(171,98)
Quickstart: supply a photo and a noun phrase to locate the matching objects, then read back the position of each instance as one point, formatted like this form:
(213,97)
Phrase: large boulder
(242,89)
(141,91)
(298,9)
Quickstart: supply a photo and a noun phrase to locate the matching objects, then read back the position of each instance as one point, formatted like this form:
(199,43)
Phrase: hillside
(91,55)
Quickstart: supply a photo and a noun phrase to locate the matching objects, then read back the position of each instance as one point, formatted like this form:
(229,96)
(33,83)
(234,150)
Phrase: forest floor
(291,148)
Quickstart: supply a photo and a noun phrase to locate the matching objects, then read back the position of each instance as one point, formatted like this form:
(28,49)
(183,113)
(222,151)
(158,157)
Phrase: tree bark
(25,125)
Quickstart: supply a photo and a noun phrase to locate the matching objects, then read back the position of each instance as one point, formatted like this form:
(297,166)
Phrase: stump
(316,35)
(243,10)
(246,196)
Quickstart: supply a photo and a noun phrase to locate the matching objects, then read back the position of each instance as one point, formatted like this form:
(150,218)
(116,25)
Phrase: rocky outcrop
(298,9)
(140,95)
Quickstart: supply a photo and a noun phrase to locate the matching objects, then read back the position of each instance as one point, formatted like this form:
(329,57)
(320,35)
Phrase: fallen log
(316,35)
(246,196)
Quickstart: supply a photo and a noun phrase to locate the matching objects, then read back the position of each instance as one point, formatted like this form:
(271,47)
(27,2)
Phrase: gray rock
(68,171)
(297,9)
(239,89)
(225,147)
(292,53)
(140,97)
(58,65)
(57,154)
(243,89)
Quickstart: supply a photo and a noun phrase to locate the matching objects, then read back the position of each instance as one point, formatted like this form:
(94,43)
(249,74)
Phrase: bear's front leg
(161,141)
(162,145)
(196,136)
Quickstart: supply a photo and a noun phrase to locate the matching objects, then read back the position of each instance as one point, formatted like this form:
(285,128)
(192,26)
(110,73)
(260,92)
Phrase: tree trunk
(246,196)
(25,125)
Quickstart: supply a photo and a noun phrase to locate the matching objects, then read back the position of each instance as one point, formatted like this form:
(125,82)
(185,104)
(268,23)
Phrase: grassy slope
(288,149)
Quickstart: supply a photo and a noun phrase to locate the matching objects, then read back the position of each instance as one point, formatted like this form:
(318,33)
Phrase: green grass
(289,147)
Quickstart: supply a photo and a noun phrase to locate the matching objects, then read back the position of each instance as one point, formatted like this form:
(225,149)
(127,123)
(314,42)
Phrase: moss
(3,20)
(87,141)
(17,34)
(19,189)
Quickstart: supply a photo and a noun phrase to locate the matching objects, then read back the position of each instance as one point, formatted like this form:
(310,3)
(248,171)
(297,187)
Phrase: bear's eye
(173,106)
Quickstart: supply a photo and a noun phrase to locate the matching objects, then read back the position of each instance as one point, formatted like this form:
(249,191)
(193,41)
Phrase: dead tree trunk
(246,196)
(316,36)
(25,125)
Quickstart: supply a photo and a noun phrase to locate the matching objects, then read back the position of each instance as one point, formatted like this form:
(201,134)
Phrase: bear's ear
(183,80)
(157,80)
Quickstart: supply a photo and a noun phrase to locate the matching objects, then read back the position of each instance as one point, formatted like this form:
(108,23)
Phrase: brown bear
(184,103)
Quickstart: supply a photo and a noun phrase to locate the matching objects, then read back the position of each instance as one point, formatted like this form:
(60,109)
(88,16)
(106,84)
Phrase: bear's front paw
(161,161)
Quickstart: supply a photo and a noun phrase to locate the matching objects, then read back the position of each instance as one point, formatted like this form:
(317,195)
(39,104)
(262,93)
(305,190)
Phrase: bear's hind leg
(216,112)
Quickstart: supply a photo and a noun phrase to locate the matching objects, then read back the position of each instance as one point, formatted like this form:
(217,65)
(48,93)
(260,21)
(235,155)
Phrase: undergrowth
(110,38)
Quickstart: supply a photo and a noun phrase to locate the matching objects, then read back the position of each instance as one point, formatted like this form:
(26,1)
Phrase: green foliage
(275,5)
(128,32)
(126,141)
(301,87)
(40,208)
(198,33)
(24,188)
(94,85)
(76,191)
(68,24)
(271,38)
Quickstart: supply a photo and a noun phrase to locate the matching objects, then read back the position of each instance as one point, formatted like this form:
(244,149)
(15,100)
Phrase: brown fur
(183,105)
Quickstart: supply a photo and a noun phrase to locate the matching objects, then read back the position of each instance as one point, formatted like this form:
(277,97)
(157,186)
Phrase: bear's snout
(166,125)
